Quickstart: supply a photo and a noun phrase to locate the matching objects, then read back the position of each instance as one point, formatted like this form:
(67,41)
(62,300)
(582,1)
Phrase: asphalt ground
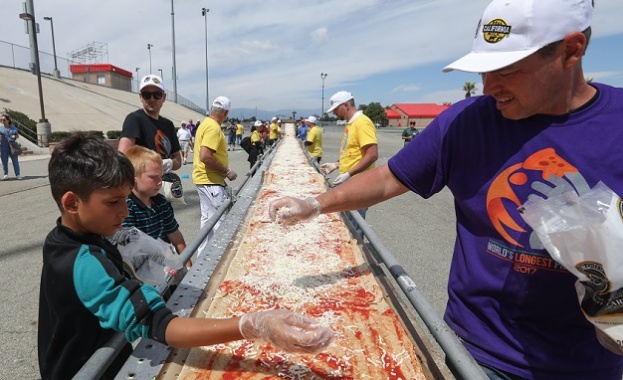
(420,233)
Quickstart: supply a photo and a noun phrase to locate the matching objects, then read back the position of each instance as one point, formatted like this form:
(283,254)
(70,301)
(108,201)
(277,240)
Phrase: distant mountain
(246,113)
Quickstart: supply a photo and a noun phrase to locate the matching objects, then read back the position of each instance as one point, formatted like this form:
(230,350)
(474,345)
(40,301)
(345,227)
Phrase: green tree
(469,88)
(375,111)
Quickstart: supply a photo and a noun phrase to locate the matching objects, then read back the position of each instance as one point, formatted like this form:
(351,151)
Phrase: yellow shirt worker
(359,149)
(274,131)
(211,164)
(314,139)
(255,137)
(358,133)
(211,136)
(239,133)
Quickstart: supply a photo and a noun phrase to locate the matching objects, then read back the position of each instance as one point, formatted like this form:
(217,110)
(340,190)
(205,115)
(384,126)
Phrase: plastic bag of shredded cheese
(149,260)
(585,235)
(172,188)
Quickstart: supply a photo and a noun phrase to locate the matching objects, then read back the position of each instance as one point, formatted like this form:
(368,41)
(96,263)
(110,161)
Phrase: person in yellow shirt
(274,131)
(256,143)
(211,163)
(239,133)
(314,139)
(359,149)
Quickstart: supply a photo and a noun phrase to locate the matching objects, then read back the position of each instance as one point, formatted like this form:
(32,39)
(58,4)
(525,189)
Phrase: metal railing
(25,132)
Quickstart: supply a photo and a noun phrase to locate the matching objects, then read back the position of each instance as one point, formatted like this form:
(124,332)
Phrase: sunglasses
(147,95)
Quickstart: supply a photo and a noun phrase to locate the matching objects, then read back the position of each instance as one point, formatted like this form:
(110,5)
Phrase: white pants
(210,198)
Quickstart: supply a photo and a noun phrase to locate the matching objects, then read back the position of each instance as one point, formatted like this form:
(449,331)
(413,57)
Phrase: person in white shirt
(184,136)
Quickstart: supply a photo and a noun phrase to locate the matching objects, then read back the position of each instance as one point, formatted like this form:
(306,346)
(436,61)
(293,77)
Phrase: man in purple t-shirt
(532,134)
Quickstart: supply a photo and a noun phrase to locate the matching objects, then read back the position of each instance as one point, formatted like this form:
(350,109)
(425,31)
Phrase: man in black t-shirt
(147,128)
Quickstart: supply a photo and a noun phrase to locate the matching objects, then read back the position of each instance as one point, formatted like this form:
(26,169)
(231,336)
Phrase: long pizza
(314,268)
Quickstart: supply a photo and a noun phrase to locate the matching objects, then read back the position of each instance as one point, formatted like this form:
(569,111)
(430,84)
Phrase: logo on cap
(496,30)
(153,79)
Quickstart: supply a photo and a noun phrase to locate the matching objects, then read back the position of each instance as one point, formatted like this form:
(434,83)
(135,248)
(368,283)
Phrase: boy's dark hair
(82,163)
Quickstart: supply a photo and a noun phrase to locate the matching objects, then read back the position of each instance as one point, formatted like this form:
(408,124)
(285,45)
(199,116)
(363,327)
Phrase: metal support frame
(458,358)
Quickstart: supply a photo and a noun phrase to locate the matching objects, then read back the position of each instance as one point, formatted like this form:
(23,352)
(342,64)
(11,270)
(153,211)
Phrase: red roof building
(402,114)
(103,74)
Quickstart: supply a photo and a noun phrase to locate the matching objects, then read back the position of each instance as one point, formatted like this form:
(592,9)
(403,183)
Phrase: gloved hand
(341,179)
(287,330)
(167,165)
(231,175)
(329,167)
(292,210)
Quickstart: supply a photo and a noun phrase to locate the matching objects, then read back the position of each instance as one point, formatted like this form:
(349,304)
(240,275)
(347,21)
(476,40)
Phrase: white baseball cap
(273,119)
(151,80)
(222,102)
(511,30)
(339,98)
(311,119)
(258,123)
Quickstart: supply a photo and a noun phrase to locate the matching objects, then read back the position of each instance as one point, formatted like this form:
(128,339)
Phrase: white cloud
(320,35)
(269,54)
(261,46)
(601,75)
(406,88)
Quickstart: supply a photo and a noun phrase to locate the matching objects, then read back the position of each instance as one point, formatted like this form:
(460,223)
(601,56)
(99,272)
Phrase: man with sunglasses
(147,128)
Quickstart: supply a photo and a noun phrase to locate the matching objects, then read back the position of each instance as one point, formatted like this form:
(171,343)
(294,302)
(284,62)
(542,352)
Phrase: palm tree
(469,88)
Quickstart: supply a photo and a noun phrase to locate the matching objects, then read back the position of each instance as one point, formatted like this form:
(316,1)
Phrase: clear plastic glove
(167,165)
(292,210)
(329,167)
(341,179)
(231,175)
(287,330)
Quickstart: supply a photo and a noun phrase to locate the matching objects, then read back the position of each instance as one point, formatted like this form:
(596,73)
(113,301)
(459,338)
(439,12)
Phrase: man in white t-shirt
(184,136)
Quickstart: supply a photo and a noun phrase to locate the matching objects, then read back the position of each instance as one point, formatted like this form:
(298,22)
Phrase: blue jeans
(5,153)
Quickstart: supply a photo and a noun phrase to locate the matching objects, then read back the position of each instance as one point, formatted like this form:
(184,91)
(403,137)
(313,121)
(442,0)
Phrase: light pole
(149,46)
(160,71)
(56,72)
(43,127)
(322,76)
(137,69)
(174,72)
(204,13)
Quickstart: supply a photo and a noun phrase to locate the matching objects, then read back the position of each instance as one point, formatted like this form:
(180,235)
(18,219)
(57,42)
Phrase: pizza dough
(314,268)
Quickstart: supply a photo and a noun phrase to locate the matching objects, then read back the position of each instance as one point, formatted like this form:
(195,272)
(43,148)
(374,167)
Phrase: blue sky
(269,54)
